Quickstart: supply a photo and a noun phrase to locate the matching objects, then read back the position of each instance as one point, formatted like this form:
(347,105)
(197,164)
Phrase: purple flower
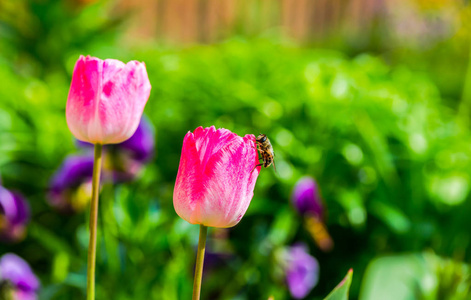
(306,198)
(14,215)
(302,271)
(308,202)
(123,161)
(17,278)
(141,144)
(70,187)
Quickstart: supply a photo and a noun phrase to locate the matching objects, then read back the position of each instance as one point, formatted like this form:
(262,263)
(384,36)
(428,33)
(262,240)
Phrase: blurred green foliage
(391,157)
(416,276)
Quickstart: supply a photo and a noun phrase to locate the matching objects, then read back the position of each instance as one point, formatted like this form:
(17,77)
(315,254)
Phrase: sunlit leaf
(340,292)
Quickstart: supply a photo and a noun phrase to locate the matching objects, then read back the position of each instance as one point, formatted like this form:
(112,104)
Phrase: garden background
(371,98)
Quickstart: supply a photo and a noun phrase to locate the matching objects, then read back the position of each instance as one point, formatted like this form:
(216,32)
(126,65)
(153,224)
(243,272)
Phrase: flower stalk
(97,161)
(199,262)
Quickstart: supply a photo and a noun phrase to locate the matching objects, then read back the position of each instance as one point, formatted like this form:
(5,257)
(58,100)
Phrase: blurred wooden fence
(189,21)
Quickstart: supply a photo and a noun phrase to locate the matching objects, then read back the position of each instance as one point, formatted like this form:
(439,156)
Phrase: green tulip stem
(199,263)
(93,223)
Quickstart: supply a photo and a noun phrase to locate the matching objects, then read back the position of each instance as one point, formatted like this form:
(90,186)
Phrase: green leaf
(415,276)
(393,277)
(340,292)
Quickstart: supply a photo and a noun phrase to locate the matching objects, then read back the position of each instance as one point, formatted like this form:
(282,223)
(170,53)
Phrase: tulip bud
(215,182)
(302,271)
(17,280)
(106,99)
(14,216)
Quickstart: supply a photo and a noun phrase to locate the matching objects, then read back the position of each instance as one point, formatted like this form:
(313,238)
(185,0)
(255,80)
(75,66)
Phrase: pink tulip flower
(215,181)
(106,99)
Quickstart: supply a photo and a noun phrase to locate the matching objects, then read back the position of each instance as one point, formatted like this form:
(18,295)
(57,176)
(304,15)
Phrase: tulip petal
(106,99)
(82,99)
(122,102)
(215,181)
